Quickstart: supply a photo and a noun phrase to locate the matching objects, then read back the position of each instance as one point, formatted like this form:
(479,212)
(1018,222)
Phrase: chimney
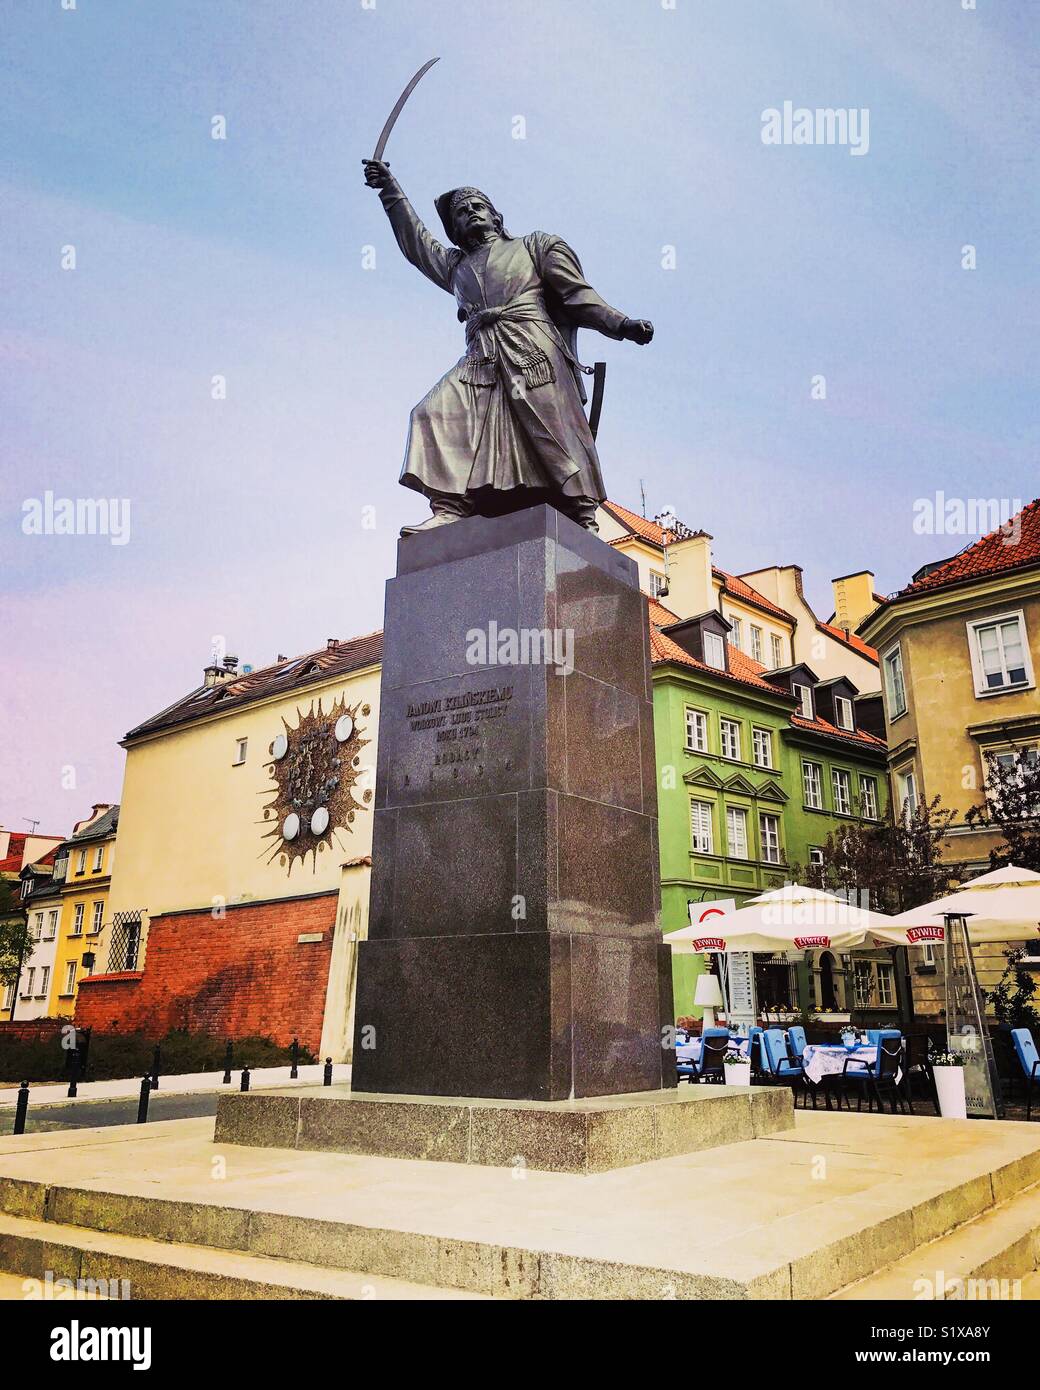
(690,590)
(853,599)
(216,672)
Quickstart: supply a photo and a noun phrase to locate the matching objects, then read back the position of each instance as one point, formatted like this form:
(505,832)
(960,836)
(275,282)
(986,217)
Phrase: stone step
(45,1251)
(796,1215)
(990,1256)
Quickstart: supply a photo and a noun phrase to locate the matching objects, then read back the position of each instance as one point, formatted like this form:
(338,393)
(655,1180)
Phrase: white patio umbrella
(792,918)
(1002,905)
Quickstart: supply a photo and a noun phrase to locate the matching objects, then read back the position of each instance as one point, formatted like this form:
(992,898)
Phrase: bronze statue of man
(505,428)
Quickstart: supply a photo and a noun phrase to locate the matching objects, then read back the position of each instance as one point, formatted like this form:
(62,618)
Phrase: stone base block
(582,1136)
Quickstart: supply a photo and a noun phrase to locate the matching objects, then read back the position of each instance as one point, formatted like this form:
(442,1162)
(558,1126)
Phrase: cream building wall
(192,827)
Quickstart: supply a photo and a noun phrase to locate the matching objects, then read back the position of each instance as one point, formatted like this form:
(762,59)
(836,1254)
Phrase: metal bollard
(84,1051)
(74,1074)
(21,1106)
(245,1079)
(294,1070)
(227,1063)
(142,1104)
(156,1057)
(327,1079)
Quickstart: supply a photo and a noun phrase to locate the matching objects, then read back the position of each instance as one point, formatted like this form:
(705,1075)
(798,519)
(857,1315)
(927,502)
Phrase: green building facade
(752,778)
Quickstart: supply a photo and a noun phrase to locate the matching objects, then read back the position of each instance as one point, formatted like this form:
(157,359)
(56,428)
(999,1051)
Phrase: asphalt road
(85,1114)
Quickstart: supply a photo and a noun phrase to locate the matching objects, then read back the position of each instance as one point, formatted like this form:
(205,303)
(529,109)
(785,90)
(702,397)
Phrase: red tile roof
(850,640)
(743,669)
(15,850)
(821,726)
(650,531)
(739,588)
(993,554)
(639,525)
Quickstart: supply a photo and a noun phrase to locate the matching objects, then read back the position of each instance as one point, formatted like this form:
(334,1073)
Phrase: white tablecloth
(691,1051)
(820,1061)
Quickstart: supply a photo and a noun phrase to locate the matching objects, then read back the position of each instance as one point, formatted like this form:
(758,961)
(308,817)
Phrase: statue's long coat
(509,413)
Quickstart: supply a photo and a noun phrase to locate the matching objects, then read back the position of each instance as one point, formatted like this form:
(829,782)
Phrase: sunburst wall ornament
(316,769)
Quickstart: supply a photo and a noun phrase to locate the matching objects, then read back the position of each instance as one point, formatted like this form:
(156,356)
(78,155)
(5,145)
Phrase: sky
(141,259)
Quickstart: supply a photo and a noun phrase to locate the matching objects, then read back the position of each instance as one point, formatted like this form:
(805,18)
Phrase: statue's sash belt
(478,368)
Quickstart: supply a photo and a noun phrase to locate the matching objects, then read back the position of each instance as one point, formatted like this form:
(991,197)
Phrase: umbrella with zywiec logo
(1002,905)
(792,918)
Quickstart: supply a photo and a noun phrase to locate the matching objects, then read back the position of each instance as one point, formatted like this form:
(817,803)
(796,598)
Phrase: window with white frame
(81,862)
(714,651)
(45,979)
(756,642)
(1000,654)
(99,858)
(843,712)
(769,830)
(8,997)
(702,834)
(730,733)
(863,981)
(99,913)
(885,975)
(1021,762)
(777,645)
(736,832)
(696,731)
(27,887)
(70,977)
(841,785)
(906,781)
(241,748)
(868,797)
(816,855)
(812,785)
(77,920)
(37,927)
(736,636)
(658,584)
(30,980)
(895,687)
(803,694)
(52,925)
(762,742)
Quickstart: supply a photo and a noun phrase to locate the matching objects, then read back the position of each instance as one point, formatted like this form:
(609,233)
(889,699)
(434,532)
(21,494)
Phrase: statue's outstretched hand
(637,331)
(377,174)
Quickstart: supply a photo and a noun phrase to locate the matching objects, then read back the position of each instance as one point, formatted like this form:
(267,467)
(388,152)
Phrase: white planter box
(738,1074)
(949,1083)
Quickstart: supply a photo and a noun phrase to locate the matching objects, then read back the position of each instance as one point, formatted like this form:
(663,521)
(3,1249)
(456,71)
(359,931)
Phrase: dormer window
(714,651)
(843,713)
(803,694)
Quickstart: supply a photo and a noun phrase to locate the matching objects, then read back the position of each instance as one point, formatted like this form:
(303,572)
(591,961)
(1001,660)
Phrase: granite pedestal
(514,949)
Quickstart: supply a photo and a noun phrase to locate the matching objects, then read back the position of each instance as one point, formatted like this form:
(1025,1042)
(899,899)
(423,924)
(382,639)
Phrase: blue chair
(870,1079)
(1025,1050)
(796,1041)
(714,1046)
(780,1066)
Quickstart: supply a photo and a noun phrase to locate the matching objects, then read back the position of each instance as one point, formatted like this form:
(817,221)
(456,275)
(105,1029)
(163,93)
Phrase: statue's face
(473,219)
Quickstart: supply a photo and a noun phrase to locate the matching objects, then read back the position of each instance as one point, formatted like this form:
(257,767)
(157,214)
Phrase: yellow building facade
(84,902)
(960,651)
(245,840)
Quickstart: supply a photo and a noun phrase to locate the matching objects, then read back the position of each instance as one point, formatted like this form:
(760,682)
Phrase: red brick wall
(240,976)
(34,1029)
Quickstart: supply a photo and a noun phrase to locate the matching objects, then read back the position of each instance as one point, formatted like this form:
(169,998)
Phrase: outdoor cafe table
(691,1051)
(819,1061)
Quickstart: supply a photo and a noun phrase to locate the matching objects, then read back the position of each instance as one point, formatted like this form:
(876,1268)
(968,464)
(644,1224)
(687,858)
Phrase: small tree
(1012,999)
(1012,808)
(15,941)
(889,866)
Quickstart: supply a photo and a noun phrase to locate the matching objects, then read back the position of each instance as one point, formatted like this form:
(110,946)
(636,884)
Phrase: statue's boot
(582,510)
(446,507)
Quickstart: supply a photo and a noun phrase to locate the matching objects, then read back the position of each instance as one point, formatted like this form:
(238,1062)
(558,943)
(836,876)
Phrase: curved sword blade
(384,134)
